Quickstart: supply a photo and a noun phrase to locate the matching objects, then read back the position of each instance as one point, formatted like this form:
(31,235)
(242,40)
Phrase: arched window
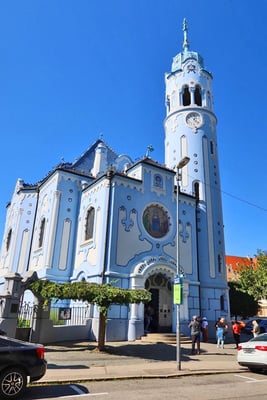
(186,97)
(8,239)
(198,97)
(89,224)
(41,233)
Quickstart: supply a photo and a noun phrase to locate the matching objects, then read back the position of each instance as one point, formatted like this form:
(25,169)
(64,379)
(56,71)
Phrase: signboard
(64,313)
(178,290)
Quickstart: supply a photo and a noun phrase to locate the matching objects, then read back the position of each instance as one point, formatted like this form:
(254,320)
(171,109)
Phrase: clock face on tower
(193,120)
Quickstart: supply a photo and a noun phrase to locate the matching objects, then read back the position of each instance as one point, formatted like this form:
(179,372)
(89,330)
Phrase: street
(245,385)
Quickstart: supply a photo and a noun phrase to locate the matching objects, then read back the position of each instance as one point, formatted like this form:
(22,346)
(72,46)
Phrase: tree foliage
(241,303)
(102,295)
(253,280)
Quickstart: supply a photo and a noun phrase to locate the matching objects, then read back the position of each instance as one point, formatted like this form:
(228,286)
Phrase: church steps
(164,338)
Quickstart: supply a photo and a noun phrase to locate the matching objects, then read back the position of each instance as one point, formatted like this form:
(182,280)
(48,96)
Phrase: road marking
(246,377)
(251,380)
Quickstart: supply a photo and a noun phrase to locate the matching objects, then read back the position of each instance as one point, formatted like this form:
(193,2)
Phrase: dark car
(19,362)
(262,323)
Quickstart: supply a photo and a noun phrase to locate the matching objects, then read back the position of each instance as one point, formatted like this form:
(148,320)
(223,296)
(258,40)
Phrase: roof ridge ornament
(185,30)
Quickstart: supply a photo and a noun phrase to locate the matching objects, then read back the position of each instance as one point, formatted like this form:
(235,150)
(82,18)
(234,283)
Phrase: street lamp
(182,163)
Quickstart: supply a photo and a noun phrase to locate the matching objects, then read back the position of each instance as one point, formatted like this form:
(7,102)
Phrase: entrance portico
(157,277)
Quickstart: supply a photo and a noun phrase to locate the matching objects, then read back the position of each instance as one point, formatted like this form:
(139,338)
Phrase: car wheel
(12,383)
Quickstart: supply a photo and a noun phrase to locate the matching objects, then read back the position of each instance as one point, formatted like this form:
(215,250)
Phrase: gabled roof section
(85,162)
(150,161)
(84,165)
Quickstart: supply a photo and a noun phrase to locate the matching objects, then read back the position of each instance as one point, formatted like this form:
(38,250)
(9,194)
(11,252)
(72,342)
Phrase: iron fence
(72,315)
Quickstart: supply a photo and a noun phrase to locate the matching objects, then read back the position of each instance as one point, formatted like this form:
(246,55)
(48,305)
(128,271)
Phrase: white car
(253,354)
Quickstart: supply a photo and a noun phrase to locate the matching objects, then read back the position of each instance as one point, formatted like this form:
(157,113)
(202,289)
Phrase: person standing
(222,328)
(195,328)
(204,328)
(256,330)
(236,328)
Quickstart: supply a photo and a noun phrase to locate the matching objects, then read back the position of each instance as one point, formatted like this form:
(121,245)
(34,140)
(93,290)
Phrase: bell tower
(190,131)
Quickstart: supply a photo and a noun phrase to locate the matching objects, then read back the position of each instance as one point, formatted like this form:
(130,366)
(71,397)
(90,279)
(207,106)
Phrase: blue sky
(72,70)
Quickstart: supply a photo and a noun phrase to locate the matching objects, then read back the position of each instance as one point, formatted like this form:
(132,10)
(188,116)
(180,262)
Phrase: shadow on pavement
(76,366)
(51,391)
(69,347)
(152,351)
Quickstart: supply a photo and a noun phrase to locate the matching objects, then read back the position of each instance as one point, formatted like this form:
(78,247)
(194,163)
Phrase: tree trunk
(101,332)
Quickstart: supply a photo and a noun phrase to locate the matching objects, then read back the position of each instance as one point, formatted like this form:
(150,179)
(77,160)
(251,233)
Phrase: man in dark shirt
(195,327)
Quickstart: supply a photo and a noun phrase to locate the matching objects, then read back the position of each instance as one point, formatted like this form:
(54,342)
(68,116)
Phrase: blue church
(104,218)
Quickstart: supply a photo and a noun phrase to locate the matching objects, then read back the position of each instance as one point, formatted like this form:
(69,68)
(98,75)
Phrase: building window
(211,147)
(196,188)
(8,239)
(219,263)
(222,302)
(89,224)
(41,233)
(198,98)
(158,181)
(186,97)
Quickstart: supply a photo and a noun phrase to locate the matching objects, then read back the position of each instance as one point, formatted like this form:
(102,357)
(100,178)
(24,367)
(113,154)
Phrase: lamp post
(182,163)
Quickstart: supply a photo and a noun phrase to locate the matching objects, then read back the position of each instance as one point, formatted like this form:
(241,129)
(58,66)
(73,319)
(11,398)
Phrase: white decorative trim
(154,265)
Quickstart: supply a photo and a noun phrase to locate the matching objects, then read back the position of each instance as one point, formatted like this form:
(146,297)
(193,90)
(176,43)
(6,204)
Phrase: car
(253,354)
(20,362)
(262,323)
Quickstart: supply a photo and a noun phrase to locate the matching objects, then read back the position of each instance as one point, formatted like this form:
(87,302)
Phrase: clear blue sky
(71,70)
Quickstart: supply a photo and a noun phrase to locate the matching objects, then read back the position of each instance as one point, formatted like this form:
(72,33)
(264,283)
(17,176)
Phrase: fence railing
(26,314)
(73,315)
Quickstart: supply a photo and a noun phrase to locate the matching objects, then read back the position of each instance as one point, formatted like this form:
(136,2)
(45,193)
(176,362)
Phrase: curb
(180,374)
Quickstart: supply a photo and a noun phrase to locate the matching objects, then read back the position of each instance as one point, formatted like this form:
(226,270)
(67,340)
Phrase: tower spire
(185,30)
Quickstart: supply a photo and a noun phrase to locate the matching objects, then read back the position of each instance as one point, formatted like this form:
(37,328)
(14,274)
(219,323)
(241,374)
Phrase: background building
(234,263)
(104,218)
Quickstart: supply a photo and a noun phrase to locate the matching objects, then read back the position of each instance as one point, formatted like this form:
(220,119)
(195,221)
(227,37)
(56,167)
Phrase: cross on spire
(185,30)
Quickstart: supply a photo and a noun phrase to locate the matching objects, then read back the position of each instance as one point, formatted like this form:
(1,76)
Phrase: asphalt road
(246,386)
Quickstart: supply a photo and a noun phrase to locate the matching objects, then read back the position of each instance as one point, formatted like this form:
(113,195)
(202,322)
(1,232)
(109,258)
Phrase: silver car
(253,354)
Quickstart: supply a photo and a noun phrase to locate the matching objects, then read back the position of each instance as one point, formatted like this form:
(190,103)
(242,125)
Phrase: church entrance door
(161,303)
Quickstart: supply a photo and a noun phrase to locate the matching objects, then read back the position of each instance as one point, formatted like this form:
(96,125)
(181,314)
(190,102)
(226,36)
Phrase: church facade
(104,218)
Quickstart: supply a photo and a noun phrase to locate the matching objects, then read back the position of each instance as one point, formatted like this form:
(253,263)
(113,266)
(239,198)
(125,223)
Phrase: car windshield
(260,338)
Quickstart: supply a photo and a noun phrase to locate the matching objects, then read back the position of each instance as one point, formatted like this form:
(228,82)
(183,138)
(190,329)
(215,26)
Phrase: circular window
(156,221)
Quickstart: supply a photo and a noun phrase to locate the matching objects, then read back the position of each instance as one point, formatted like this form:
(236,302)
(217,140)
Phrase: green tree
(253,280)
(102,295)
(241,303)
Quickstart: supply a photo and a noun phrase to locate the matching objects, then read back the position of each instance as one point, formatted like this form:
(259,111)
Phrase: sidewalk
(79,361)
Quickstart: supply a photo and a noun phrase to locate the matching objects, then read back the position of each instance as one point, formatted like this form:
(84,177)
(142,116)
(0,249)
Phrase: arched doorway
(161,303)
